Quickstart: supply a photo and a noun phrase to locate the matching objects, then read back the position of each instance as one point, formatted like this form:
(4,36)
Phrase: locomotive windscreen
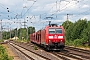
(59,31)
(53,30)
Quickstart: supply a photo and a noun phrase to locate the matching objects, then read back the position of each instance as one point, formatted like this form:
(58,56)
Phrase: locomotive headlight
(50,37)
(49,40)
(61,40)
(60,37)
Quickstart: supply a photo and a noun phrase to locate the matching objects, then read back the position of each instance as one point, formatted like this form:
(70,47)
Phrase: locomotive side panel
(38,37)
(43,37)
(32,36)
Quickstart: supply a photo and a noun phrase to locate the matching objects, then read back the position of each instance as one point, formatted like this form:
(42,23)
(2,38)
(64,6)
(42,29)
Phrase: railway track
(27,57)
(40,52)
(78,49)
(85,54)
(67,54)
(29,54)
(64,55)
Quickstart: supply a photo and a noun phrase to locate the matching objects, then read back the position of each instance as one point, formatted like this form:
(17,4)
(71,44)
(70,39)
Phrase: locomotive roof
(53,25)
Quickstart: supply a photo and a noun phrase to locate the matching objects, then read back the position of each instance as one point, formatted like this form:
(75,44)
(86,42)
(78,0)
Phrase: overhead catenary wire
(84,13)
(61,9)
(74,14)
(29,8)
(48,10)
(3,6)
(56,9)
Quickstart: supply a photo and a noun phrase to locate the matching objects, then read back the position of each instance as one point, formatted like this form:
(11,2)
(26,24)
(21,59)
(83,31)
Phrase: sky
(38,13)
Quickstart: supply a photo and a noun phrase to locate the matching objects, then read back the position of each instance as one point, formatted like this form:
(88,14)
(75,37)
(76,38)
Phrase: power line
(49,9)
(3,6)
(75,3)
(29,8)
(61,9)
(56,8)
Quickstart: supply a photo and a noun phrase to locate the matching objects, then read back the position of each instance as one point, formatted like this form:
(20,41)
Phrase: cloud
(10,2)
(51,7)
(85,6)
(85,17)
(45,8)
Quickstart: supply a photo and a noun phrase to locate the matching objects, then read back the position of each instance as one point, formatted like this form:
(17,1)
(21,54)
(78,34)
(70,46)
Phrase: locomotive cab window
(55,31)
(59,31)
(51,31)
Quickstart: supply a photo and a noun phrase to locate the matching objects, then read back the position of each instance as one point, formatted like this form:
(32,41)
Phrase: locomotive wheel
(47,48)
(62,49)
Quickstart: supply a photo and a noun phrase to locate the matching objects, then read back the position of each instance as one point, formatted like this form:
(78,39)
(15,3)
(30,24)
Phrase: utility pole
(40,16)
(20,29)
(10,31)
(27,31)
(49,21)
(26,28)
(56,9)
(1,31)
(20,23)
(24,23)
(17,27)
(68,16)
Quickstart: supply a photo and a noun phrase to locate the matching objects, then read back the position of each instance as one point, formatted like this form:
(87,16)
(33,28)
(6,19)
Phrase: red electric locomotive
(51,38)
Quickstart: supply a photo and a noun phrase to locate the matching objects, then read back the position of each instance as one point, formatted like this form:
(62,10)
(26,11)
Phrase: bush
(35,47)
(1,40)
(69,42)
(79,42)
(76,42)
(3,54)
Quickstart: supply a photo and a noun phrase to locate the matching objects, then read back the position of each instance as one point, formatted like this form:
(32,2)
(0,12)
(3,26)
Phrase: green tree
(68,26)
(22,32)
(86,32)
(78,27)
